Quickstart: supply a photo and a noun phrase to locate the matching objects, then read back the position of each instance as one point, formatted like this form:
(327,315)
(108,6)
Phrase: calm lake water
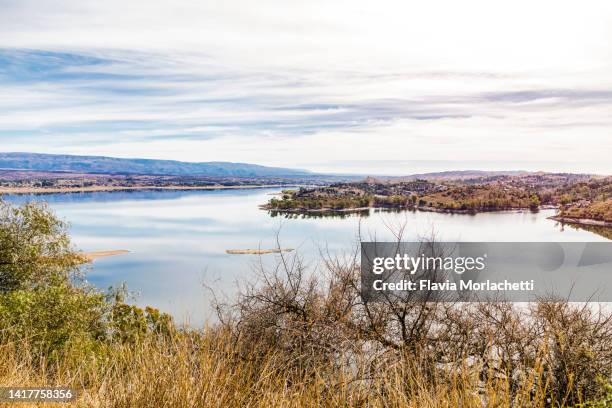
(177,239)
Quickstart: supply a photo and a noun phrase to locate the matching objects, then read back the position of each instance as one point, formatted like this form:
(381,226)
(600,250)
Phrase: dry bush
(547,353)
(221,366)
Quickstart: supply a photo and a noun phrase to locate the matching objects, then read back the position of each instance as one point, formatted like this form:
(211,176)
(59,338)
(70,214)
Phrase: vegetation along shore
(577,197)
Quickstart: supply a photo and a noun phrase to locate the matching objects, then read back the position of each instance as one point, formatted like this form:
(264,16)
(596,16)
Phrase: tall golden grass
(208,369)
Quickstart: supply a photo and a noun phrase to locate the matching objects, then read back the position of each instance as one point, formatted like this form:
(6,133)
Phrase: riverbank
(482,210)
(416,208)
(581,221)
(318,210)
(93,189)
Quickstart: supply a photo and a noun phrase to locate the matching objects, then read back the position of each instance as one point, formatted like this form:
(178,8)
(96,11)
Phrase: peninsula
(581,199)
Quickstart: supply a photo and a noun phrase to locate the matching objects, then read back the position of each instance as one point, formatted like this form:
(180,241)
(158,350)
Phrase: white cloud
(313,83)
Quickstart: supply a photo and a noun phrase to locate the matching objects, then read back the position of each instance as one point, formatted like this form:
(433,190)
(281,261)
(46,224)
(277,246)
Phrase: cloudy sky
(346,86)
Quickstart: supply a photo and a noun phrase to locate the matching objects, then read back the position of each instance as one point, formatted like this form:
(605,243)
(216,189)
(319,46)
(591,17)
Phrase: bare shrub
(500,352)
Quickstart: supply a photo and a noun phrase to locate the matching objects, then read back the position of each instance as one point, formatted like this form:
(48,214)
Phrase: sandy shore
(51,190)
(92,256)
(582,221)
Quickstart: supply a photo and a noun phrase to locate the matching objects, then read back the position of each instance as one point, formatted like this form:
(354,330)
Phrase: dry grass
(296,342)
(208,369)
(599,211)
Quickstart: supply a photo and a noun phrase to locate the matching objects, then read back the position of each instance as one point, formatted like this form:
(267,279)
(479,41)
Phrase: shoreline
(94,189)
(424,209)
(317,210)
(581,221)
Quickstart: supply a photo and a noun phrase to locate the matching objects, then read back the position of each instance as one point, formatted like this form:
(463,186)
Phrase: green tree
(35,248)
(42,305)
(534,202)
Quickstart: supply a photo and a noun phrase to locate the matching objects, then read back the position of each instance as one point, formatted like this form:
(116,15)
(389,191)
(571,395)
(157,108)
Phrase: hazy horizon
(407,167)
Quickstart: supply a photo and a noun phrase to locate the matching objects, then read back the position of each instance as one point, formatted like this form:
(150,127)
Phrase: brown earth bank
(581,221)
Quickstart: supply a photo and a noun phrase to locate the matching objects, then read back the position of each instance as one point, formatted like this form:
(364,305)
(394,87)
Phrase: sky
(377,87)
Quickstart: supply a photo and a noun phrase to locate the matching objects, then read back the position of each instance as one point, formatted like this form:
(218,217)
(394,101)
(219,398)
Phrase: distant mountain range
(459,174)
(150,167)
(110,165)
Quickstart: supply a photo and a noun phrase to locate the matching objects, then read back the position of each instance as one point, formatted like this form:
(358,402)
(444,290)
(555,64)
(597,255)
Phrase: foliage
(35,248)
(579,197)
(600,211)
(320,203)
(42,303)
(53,318)
(131,324)
(595,189)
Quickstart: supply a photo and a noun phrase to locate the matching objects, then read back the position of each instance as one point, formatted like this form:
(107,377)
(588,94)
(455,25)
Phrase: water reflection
(318,214)
(605,232)
(177,239)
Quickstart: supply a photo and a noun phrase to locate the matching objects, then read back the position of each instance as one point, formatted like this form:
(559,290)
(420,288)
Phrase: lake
(177,239)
